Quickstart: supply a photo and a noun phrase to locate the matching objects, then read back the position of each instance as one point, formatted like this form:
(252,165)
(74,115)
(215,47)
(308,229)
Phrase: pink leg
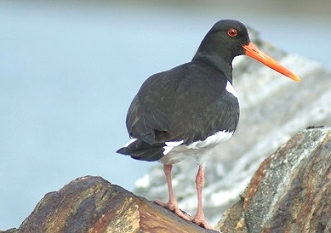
(172,203)
(200,218)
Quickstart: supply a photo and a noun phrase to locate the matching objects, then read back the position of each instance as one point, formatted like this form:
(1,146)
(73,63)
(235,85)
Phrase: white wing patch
(221,136)
(199,149)
(131,141)
(173,144)
(170,145)
(229,88)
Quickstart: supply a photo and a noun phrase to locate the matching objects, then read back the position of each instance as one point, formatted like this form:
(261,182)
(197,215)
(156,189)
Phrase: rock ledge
(290,192)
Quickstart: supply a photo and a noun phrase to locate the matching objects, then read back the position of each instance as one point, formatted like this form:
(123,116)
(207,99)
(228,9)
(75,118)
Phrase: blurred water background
(69,70)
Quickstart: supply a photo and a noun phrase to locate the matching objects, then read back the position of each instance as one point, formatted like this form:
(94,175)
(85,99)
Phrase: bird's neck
(211,59)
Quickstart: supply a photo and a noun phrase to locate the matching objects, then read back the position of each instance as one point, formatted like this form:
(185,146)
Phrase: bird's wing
(186,103)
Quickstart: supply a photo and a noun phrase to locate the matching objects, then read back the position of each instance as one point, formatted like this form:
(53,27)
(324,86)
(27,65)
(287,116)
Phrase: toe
(161,203)
(174,208)
(182,214)
(201,221)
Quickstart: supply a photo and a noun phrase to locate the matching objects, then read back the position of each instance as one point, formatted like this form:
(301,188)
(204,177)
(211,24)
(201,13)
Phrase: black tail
(141,150)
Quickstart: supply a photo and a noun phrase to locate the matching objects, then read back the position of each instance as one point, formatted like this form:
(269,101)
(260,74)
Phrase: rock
(91,204)
(290,191)
(12,230)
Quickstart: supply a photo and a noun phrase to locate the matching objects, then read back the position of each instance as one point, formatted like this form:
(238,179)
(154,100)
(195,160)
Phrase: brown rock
(291,190)
(91,204)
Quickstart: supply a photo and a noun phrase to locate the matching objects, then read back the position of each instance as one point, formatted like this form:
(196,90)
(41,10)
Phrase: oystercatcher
(188,110)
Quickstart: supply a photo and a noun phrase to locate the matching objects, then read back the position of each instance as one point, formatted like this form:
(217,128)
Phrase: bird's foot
(201,221)
(174,208)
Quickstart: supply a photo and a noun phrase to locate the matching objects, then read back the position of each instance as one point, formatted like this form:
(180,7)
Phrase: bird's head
(229,38)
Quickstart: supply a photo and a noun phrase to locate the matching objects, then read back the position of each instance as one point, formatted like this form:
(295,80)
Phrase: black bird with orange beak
(188,110)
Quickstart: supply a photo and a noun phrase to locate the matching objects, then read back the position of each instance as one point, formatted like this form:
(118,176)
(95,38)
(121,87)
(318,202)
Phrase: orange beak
(254,52)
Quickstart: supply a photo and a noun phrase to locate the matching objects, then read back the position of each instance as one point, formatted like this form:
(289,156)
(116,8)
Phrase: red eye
(232,32)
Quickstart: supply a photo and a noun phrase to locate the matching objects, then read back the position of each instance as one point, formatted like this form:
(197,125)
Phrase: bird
(188,110)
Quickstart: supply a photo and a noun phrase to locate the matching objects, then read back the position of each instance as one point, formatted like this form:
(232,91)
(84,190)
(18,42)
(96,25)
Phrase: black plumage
(189,102)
